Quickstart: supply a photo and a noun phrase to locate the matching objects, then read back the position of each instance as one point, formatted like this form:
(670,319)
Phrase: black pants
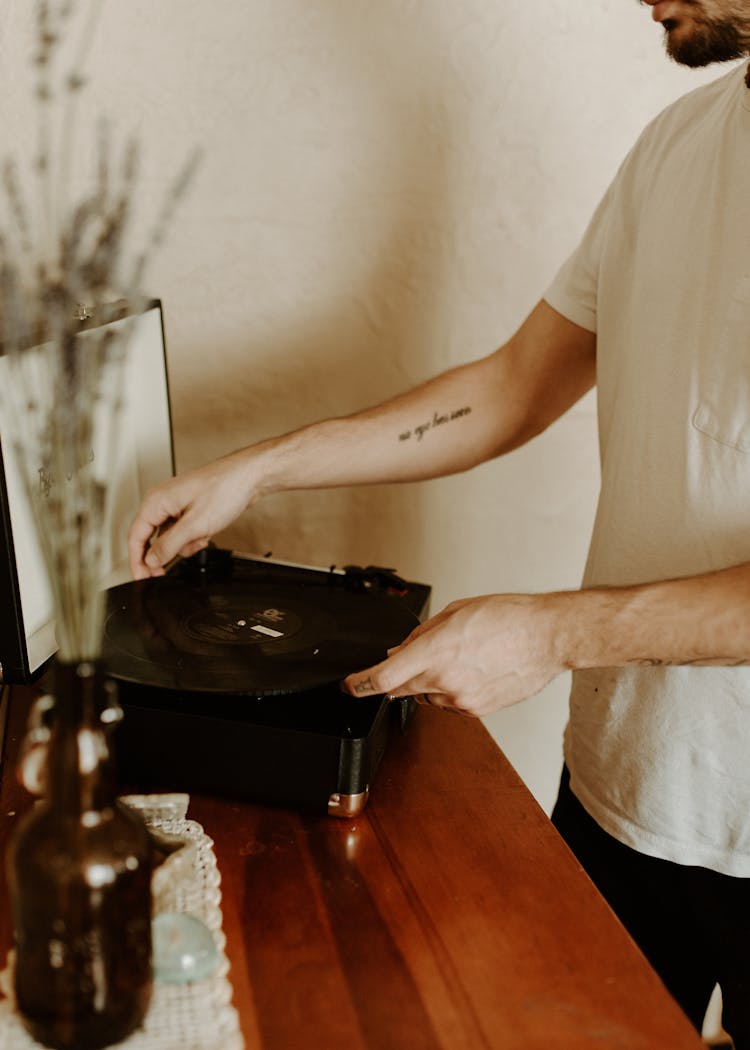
(692,924)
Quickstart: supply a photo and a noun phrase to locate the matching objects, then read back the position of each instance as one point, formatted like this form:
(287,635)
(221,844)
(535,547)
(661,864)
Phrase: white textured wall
(386,190)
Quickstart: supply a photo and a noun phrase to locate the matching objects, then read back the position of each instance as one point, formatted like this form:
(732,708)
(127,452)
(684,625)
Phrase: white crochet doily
(194,1016)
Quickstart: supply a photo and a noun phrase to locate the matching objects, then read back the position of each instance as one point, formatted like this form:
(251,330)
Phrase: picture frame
(145,456)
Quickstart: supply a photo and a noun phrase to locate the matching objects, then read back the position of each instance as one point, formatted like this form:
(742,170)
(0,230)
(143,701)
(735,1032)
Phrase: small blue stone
(184,949)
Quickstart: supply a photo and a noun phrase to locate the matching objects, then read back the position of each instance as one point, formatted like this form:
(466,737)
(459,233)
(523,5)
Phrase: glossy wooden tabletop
(448,916)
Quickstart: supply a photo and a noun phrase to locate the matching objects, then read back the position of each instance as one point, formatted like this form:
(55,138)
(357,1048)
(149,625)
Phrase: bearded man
(653,306)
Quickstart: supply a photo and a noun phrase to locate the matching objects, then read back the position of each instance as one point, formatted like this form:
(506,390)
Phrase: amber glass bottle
(80,883)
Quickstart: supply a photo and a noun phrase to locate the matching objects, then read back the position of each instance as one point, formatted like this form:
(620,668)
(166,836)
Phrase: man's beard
(711,39)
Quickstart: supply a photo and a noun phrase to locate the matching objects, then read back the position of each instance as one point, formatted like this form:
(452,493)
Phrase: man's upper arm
(551,362)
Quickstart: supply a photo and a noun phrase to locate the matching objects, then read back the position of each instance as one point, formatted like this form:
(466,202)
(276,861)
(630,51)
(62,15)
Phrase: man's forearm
(453,422)
(482,654)
(700,620)
(444,426)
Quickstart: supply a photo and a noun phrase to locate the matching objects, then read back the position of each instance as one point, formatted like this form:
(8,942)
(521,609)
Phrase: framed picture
(144,457)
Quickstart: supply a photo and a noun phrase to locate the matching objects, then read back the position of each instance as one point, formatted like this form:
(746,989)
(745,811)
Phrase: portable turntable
(229,666)
(229,672)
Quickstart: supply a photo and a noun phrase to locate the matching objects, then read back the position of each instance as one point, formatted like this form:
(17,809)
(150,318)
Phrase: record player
(229,667)
(228,671)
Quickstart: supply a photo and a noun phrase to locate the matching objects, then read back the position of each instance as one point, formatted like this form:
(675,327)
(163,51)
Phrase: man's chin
(696,50)
(687,56)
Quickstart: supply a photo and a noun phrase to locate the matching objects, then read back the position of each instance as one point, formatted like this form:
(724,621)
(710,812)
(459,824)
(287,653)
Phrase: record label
(230,623)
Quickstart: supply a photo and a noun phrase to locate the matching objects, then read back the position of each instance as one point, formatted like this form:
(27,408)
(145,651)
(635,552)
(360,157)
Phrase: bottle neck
(80,764)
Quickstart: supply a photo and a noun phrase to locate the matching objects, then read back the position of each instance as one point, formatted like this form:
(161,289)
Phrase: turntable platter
(247,633)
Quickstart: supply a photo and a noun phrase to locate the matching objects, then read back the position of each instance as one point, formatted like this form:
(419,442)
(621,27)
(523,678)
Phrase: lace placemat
(195,1016)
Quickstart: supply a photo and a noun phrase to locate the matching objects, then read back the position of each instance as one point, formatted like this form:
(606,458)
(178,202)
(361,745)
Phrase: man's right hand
(180,516)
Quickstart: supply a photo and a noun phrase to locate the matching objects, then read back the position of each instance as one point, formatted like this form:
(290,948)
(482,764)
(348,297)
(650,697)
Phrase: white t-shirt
(660,756)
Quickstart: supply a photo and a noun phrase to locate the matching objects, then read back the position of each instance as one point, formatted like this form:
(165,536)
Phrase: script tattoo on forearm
(438,420)
(699,661)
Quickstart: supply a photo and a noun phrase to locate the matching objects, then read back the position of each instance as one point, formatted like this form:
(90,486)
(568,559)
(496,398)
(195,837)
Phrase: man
(655,306)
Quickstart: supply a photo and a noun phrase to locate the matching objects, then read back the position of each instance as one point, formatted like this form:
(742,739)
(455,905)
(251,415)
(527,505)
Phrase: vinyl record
(247,633)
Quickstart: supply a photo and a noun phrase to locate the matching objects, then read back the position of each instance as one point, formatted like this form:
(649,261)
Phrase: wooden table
(448,916)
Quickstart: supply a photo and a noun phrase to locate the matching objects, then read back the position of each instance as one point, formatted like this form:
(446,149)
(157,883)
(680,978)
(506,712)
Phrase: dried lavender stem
(74,84)
(61,402)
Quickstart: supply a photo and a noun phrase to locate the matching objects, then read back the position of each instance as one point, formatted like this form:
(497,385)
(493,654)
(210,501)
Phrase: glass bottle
(79,876)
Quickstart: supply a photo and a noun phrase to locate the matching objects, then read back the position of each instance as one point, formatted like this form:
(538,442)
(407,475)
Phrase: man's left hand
(476,656)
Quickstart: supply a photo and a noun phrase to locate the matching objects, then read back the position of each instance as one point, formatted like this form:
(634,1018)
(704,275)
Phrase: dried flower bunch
(63,261)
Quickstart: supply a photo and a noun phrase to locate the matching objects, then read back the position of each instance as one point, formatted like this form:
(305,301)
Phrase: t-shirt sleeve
(574,291)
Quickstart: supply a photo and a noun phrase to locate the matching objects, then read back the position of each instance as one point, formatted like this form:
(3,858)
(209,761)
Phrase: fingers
(146,554)
(391,676)
(174,520)
(403,674)
(438,662)
(366,684)
(177,540)
(408,669)
(443,702)
(180,516)
(140,533)
(163,529)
